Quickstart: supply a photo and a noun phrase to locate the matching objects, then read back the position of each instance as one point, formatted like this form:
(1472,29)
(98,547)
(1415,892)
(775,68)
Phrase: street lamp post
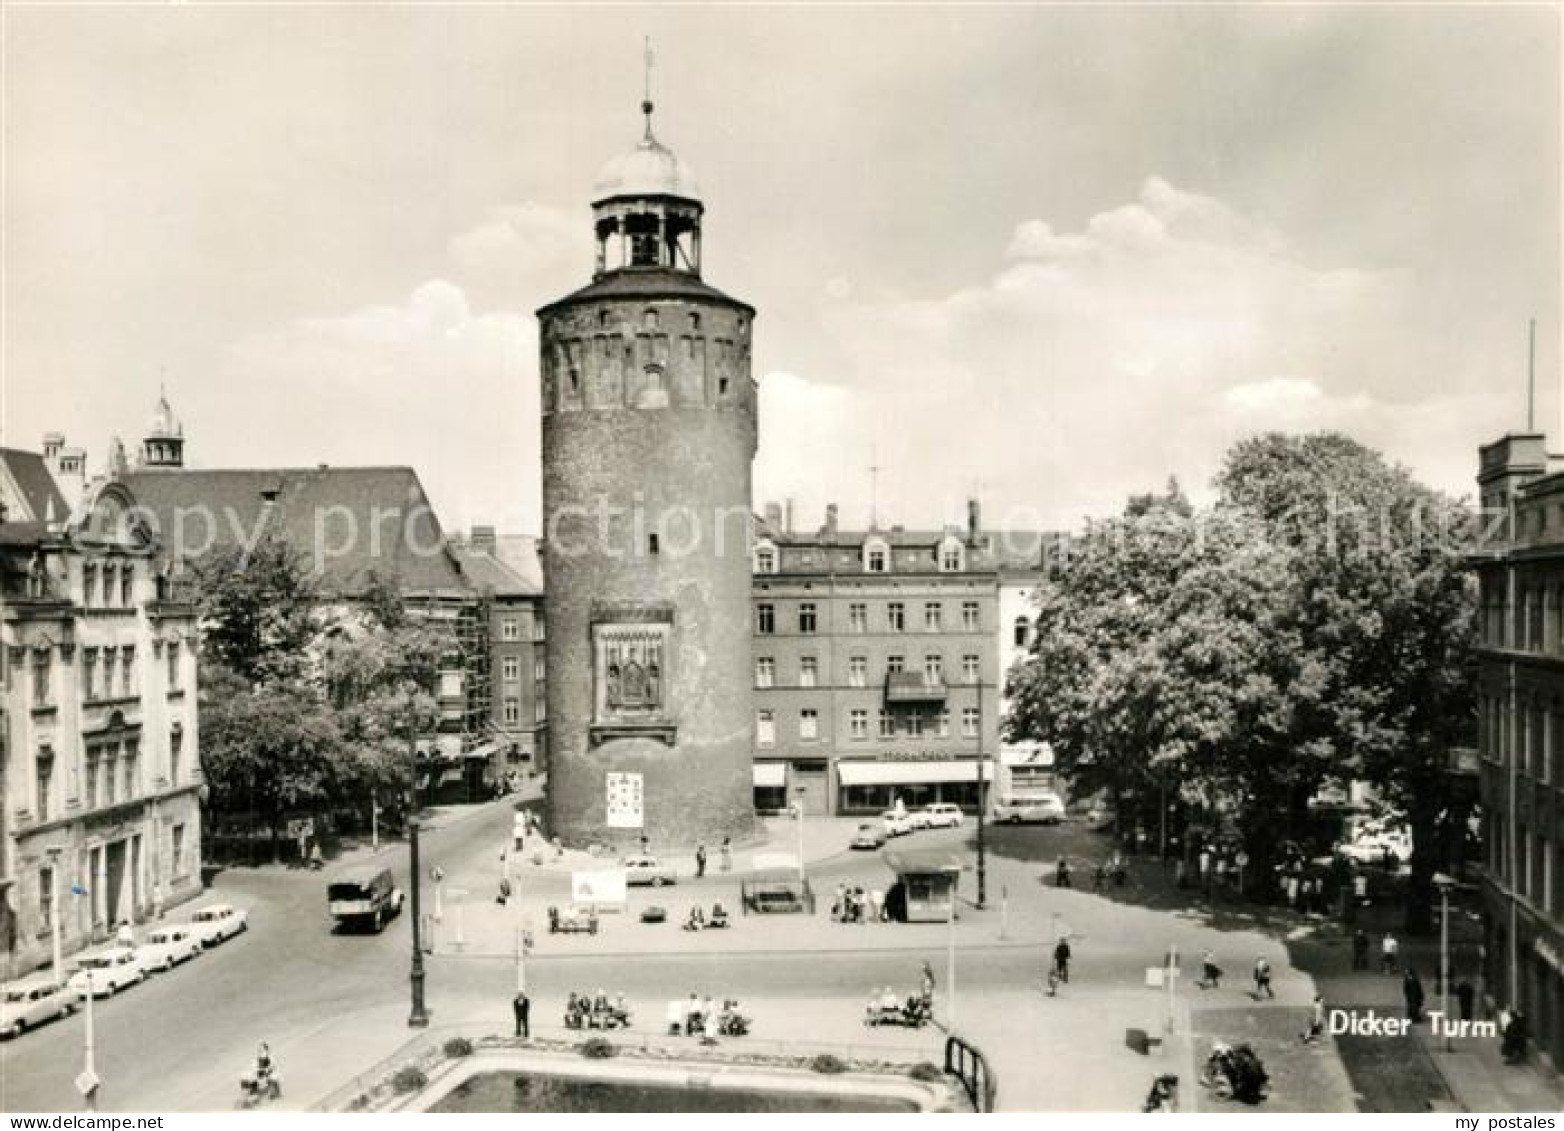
(798,813)
(419,1017)
(982,856)
(950,956)
(1444,883)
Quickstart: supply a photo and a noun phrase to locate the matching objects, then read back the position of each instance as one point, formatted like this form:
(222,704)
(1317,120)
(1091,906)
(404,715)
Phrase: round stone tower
(649,431)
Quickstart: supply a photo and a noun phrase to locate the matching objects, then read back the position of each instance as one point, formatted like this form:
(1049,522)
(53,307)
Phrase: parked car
(646,871)
(167,947)
(1382,846)
(870,835)
(940,815)
(1041,809)
(217,922)
(28,1004)
(106,973)
(897,822)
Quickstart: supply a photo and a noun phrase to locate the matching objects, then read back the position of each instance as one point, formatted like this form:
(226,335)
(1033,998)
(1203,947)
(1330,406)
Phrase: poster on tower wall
(625,810)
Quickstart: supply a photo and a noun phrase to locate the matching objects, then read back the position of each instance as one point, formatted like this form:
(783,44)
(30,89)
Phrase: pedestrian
(1062,959)
(1100,877)
(692,1015)
(877,905)
(1412,991)
(727,854)
(1211,973)
(700,860)
(1360,949)
(1513,1030)
(1292,892)
(1465,997)
(1387,954)
(504,897)
(1262,979)
(928,981)
(1316,1027)
(1205,867)
(521,1006)
(317,861)
(1062,873)
(1181,875)
(646,845)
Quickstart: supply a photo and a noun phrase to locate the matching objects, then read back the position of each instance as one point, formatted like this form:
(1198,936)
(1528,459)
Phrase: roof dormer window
(952,555)
(876,556)
(766,558)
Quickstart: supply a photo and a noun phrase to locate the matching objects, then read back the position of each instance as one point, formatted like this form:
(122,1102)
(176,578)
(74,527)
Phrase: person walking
(1062,873)
(1211,973)
(521,1006)
(928,982)
(727,854)
(1062,959)
(1262,979)
(1412,991)
(1360,949)
(1316,1027)
(1388,948)
(700,860)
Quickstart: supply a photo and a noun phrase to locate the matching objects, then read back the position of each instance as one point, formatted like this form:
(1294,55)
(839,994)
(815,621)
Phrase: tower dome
(650,169)
(163,424)
(164,443)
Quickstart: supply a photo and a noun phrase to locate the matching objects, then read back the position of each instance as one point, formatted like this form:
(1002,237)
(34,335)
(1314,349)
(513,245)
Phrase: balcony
(910,687)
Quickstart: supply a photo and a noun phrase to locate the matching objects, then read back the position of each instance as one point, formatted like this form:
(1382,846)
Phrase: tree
(259,610)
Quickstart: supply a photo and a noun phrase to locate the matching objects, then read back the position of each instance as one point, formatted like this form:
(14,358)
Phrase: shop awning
(769,774)
(913,773)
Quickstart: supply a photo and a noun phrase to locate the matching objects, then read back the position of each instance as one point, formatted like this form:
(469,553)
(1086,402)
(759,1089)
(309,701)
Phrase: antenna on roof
(646,97)
(1531,375)
(874,489)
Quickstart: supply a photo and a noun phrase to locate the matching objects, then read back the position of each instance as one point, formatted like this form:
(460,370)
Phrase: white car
(940,815)
(646,870)
(218,922)
(1388,847)
(27,1005)
(106,973)
(1043,808)
(896,822)
(167,947)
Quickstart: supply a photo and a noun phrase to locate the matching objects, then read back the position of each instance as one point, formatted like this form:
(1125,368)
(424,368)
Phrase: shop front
(770,787)
(874,785)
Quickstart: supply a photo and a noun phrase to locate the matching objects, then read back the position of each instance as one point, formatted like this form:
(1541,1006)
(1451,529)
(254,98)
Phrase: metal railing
(967,1064)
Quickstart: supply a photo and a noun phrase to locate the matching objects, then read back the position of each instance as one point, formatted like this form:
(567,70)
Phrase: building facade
(875,666)
(1520,567)
(102,779)
(649,432)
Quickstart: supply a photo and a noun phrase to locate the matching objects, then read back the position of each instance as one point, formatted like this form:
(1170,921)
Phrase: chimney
(70,475)
(974,520)
(830,519)
(484,538)
(788,520)
(774,516)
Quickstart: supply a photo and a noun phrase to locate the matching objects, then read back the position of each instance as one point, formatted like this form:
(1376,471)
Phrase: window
(950,556)
(89,669)
(46,896)
(806,618)
(876,556)
(969,722)
(765,558)
(110,660)
(176,750)
(969,616)
(1023,631)
(652,546)
(510,669)
(127,584)
(106,778)
(858,723)
(512,711)
(127,669)
(42,677)
(896,616)
(110,583)
(539,666)
(857,671)
(131,765)
(765,728)
(915,724)
(969,669)
(933,669)
(765,619)
(858,617)
(931,616)
(765,672)
(894,662)
(89,584)
(177,864)
(94,758)
(510,629)
(44,772)
(887,724)
(809,724)
(171,650)
(808,671)
(942,723)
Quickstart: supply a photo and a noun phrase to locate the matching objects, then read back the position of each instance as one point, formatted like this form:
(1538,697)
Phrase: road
(331,1004)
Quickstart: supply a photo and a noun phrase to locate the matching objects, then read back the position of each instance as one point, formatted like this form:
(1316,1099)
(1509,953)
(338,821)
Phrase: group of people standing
(855,905)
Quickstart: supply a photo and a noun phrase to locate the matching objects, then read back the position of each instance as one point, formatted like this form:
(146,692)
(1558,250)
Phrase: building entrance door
(114,883)
(809,781)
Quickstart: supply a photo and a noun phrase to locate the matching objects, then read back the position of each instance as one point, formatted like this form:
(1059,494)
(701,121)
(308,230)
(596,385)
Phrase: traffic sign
(87,1082)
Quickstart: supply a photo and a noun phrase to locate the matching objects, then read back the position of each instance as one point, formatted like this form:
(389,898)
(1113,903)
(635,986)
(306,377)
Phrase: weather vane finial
(646,99)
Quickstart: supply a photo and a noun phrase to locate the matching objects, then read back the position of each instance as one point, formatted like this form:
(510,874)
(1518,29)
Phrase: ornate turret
(164,445)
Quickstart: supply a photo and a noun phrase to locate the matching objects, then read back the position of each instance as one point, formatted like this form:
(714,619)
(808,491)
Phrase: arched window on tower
(1023,631)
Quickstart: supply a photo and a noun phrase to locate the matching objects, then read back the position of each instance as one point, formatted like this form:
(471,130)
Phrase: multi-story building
(876,665)
(101,816)
(1026,768)
(1520,566)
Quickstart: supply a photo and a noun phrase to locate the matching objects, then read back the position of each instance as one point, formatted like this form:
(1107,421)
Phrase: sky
(1048,256)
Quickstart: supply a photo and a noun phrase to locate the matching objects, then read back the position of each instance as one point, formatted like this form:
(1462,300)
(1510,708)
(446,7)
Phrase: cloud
(1095,363)
(426,382)
(523,251)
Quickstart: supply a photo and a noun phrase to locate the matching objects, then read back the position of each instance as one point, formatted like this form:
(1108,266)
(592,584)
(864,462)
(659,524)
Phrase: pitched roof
(648,283)
(38,497)
(484,570)
(347,521)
